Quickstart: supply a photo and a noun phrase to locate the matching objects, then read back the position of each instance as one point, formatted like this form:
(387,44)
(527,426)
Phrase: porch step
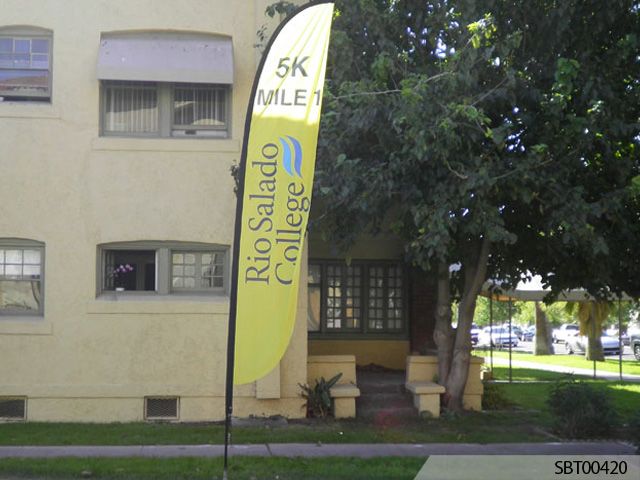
(380,382)
(383,397)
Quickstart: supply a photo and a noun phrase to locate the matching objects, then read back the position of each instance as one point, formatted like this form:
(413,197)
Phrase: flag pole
(240,181)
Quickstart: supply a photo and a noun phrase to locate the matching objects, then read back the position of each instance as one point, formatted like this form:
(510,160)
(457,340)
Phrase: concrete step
(384,400)
(376,387)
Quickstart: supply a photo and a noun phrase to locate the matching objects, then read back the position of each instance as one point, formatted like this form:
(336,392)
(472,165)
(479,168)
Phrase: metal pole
(510,344)
(593,334)
(491,332)
(620,345)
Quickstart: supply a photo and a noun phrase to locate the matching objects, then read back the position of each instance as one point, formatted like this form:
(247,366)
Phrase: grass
(518,374)
(527,422)
(625,396)
(629,367)
(199,468)
(486,427)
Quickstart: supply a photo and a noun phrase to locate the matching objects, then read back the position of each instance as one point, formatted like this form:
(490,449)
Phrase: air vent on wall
(13,408)
(161,408)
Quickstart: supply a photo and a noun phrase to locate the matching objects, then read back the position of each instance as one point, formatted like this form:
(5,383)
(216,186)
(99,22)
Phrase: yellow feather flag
(274,198)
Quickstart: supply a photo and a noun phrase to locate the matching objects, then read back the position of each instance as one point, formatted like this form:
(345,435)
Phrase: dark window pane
(131,270)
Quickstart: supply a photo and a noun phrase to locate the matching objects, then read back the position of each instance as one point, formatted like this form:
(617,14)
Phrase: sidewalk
(562,369)
(323,450)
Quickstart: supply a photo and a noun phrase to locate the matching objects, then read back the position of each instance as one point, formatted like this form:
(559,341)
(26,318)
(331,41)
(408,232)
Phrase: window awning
(166,57)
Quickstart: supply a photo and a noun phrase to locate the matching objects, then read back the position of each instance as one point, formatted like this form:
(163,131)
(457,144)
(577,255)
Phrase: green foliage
(318,397)
(494,397)
(500,310)
(581,410)
(514,121)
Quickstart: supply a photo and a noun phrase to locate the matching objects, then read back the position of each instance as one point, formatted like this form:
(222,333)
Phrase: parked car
(634,341)
(613,332)
(475,332)
(515,329)
(561,334)
(528,333)
(578,344)
(497,337)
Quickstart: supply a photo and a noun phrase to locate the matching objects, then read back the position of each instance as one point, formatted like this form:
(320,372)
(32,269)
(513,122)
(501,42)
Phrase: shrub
(494,397)
(319,396)
(580,410)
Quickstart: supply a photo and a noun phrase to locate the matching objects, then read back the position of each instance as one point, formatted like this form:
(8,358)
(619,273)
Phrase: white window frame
(30,33)
(163,267)
(165,101)
(24,244)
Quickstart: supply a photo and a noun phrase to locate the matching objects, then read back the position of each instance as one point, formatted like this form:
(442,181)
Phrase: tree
(471,130)
(591,316)
(543,344)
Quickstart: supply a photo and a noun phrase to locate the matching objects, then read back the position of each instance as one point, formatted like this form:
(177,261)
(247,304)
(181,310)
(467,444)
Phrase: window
(165,84)
(164,109)
(363,297)
(21,277)
(163,267)
(192,270)
(25,64)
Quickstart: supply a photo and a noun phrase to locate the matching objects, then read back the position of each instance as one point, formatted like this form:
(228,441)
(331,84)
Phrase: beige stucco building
(119,124)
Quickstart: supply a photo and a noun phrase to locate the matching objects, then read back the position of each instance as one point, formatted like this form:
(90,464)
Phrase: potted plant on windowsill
(115,272)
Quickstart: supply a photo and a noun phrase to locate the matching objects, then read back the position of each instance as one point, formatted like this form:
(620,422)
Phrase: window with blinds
(131,108)
(197,107)
(157,109)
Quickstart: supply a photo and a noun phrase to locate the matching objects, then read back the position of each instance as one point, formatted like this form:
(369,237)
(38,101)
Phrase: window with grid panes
(364,297)
(25,64)
(163,267)
(158,109)
(197,270)
(21,277)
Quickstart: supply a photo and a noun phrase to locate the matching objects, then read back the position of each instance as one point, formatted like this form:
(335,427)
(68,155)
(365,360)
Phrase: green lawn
(629,367)
(625,396)
(518,374)
(197,468)
(528,421)
(483,427)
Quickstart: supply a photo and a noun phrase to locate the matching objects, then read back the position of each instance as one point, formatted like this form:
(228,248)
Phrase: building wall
(388,353)
(94,357)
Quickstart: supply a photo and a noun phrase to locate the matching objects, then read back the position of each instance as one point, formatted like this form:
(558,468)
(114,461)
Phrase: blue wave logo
(292,155)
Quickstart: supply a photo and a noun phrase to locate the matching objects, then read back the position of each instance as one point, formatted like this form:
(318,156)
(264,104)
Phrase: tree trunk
(459,371)
(543,340)
(475,270)
(443,332)
(593,350)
